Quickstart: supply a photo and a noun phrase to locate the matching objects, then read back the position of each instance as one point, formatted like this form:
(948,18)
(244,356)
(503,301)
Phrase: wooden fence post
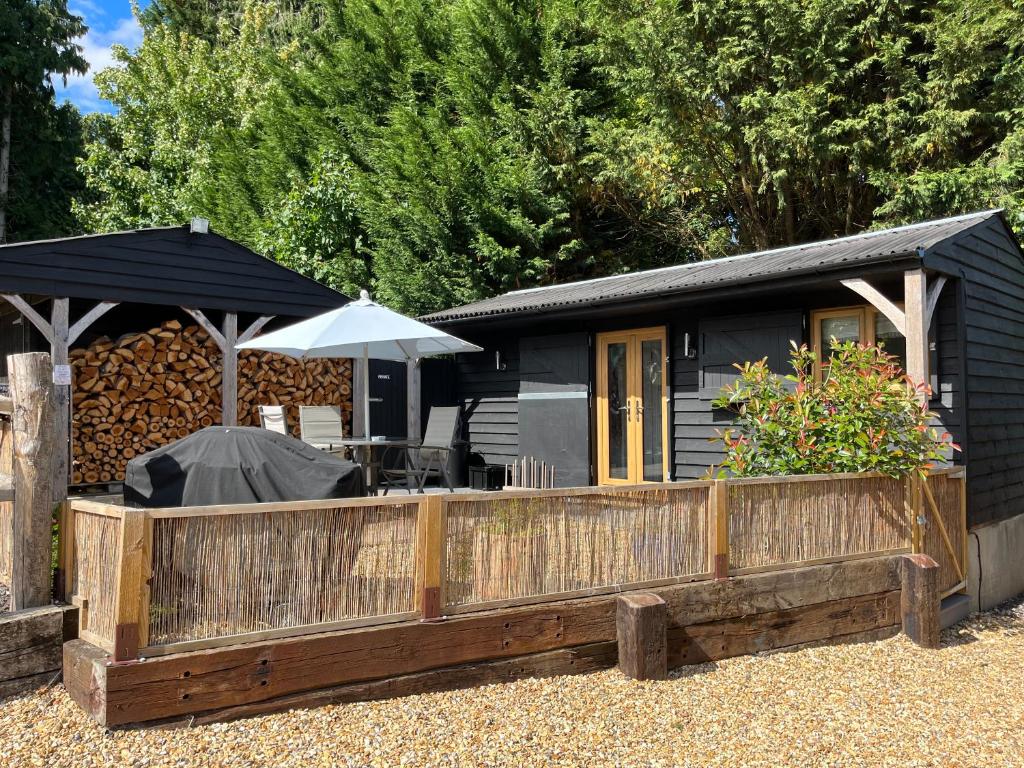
(915,509)
(430,555)
(919,600)
(131,604)
(35,446)
(641,625)
(718,527)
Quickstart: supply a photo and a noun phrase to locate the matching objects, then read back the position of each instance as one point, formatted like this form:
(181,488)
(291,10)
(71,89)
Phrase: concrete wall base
(953,609)
(995,571)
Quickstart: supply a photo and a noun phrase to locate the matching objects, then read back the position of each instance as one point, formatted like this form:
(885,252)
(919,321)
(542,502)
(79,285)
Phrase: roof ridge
(741,256)
(25,243)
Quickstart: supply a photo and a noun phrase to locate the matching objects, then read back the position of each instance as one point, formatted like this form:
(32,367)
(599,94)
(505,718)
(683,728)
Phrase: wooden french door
(632,407)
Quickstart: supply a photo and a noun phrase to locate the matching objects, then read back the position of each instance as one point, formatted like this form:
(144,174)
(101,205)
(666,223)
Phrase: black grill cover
(238,465)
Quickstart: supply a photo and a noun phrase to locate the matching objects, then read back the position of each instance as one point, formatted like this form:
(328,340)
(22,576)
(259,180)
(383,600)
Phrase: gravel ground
(5,597)
(874,704)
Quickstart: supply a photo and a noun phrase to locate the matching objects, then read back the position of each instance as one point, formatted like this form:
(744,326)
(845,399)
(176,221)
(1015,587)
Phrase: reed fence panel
(522,545)
(94,574)
(947,488)
(219,575)
(774,521)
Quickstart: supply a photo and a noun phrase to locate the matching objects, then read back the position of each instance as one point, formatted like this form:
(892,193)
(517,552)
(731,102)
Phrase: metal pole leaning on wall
(34,480)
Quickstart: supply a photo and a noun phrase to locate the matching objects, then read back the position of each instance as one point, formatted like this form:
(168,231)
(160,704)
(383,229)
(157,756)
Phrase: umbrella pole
(366,389)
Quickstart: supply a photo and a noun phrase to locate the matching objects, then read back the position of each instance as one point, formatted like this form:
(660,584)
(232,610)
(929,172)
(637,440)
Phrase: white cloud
(80,89)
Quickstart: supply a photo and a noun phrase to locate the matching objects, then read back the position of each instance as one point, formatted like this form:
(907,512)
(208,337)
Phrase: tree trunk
(35,413)
(5,157)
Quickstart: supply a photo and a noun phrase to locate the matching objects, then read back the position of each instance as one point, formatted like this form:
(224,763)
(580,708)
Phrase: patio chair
(320,426)
(274,418)
(429,458)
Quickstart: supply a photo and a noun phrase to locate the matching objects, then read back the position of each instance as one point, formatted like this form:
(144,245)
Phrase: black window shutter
(725,341)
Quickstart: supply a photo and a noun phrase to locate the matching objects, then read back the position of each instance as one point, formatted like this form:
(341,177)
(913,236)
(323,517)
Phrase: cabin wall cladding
(146,389)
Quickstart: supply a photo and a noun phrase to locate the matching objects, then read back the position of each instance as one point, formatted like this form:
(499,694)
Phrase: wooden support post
(60,318)
(915,307)
(229,381)
(131,603)
(59,321)
(35,443)
(226,341)
(413,427)
(430,556)
(718,528)
(359,395)
(919,600)
(641,628)
(65,552)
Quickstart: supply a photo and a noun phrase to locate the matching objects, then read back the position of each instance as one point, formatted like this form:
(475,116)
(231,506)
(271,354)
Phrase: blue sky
(109,22)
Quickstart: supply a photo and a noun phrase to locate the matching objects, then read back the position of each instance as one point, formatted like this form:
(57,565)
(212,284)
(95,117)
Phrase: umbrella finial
(364,295)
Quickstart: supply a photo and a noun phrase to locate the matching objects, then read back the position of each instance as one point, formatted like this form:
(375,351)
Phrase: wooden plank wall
(489,399)
(993,284)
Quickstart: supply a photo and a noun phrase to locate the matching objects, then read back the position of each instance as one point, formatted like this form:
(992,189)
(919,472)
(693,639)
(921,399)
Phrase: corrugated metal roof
(823,256)
(162,265)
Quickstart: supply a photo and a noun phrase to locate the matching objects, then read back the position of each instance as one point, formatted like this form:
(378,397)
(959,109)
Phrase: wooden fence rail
(164,580)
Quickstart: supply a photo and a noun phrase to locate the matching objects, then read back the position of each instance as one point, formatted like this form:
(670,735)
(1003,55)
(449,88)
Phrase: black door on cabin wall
(387,398)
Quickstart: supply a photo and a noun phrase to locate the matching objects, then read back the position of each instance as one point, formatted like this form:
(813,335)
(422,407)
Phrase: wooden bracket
(90,317)
(934,290)
(250,333)
(880,302)
(207,326)
(34,317)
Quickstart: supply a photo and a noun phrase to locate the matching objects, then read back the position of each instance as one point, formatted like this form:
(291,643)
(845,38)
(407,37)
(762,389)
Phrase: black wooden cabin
(569,369)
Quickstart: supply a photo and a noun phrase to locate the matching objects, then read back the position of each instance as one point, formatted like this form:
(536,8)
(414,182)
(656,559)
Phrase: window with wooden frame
(862,324)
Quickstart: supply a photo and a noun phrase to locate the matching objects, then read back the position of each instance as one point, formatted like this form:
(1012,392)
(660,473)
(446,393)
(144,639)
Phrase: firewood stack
(147,389)
(267,378)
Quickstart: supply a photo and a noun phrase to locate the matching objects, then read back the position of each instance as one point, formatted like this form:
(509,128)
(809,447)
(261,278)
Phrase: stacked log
(266,378)
(144,390)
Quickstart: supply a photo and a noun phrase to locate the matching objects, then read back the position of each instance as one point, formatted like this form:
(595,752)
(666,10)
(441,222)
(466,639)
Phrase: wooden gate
(939,511)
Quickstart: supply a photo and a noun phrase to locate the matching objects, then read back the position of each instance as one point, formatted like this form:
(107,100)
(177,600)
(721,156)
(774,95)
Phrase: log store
(141,326)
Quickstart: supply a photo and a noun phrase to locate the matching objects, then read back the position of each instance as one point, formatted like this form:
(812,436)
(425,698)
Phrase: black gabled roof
(162,265)
(810,258)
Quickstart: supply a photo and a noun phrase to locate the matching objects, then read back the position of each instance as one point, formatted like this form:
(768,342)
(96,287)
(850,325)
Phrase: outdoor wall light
(689,351)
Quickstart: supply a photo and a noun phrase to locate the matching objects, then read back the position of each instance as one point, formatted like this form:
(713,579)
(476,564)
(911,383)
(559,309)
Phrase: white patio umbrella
(365,329)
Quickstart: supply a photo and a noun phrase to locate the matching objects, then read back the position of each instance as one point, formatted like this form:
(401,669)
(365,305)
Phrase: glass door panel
(618,405)
(652,363)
